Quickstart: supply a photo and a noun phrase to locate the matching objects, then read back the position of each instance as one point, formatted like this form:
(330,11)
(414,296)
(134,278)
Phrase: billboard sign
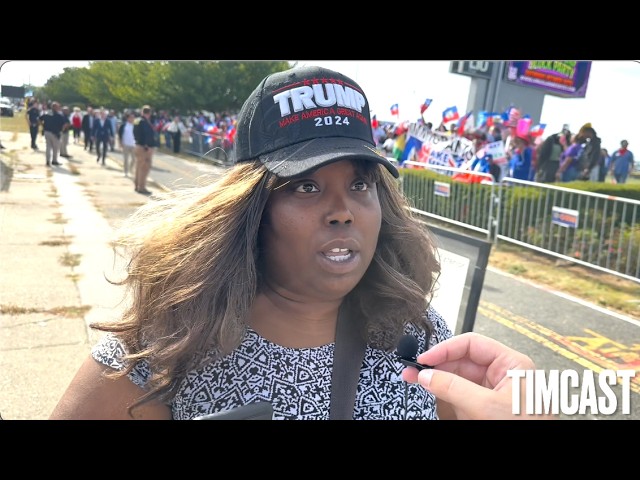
(11,91)
(562,78)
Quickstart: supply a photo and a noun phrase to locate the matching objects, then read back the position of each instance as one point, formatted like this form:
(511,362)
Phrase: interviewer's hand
(471,376)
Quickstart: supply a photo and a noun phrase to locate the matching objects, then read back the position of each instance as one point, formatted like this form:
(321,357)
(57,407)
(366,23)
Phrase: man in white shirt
(128,143)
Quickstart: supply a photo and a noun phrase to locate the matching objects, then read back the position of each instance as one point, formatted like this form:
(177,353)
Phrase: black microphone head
(408,347)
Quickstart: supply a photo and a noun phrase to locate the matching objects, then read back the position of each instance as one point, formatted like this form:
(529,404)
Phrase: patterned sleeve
(109,351)
(441,330)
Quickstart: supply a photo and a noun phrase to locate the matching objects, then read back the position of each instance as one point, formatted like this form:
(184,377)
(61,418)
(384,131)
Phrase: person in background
(113,119)
(240,287)
(33,120)
(379,135)
(76,124)
(87,129)
(103,135)
(591,154)
(127,143)
(64,136)
(520,159)
(569,169)
(177,129)
(605,162)
(622,163)
(549,155)
(144,134)
(53,123)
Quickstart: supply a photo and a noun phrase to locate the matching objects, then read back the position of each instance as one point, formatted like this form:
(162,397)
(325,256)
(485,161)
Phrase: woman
(177,129)
(236,288)
(76,124)
(520,162)
(569,169)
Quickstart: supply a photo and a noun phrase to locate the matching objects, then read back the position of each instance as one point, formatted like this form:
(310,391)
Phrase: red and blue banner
(394,109)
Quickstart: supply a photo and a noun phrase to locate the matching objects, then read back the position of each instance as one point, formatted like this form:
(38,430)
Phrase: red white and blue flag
(425,105)
(394,109)
(537,130)
(462,122)
(450,114)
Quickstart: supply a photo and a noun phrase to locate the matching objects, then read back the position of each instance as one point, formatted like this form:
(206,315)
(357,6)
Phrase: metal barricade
(591,229)
(467,205)
(201,145)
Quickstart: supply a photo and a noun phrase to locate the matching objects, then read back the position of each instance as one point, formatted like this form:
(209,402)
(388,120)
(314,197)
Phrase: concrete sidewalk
(54,253)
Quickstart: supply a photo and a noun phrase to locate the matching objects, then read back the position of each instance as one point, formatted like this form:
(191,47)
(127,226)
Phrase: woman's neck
(292,323)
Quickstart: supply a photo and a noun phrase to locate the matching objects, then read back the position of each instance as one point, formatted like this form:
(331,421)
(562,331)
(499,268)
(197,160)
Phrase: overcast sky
(611,104)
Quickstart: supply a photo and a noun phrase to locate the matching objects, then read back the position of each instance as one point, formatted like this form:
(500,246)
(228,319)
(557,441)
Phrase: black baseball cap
(304,118)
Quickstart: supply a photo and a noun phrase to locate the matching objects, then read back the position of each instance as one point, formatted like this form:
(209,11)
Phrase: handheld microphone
(407,352)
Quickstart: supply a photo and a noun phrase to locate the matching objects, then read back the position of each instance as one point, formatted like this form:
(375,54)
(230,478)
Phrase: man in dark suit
(102,133)
(33,119)
(87,129)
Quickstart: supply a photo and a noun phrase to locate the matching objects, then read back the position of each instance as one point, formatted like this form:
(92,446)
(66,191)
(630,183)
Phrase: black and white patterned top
(296,381)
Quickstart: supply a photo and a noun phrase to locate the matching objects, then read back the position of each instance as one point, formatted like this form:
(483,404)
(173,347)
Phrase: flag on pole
(462,122)
(450,114)
(425,105)
(374,121)
(394,109)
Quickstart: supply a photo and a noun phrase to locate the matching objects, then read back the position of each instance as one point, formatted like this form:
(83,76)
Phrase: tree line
(184,85)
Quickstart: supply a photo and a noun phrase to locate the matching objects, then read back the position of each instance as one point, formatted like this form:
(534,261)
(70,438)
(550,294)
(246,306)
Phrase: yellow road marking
(555,342)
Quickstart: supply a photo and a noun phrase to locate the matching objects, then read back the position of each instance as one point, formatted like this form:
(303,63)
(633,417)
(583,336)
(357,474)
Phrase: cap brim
(304,156)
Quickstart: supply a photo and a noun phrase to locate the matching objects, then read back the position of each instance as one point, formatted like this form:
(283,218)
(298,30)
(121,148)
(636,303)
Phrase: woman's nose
(339,211)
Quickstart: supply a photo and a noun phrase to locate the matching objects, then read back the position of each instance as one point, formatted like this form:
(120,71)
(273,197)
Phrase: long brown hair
(194,269)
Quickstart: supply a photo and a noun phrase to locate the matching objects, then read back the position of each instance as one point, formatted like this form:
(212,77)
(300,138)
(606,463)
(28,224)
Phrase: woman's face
(320,233)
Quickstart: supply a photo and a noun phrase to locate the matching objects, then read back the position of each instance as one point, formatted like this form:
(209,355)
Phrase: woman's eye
(306,188)
(361,185)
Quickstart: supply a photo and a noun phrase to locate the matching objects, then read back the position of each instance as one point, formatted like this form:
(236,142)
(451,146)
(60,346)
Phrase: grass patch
(72,311)
(16,124)
(16,310)
(70,259)
(74,277)
(54,243)
(58,218)
(608,291)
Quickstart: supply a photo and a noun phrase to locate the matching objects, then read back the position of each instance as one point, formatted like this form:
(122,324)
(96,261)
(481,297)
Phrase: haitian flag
(425,105)
(450,114)
(462,122)
(394,109)
(537,130)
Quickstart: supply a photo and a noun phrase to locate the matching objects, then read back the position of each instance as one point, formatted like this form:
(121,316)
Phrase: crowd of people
(103,130)
(559,157)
